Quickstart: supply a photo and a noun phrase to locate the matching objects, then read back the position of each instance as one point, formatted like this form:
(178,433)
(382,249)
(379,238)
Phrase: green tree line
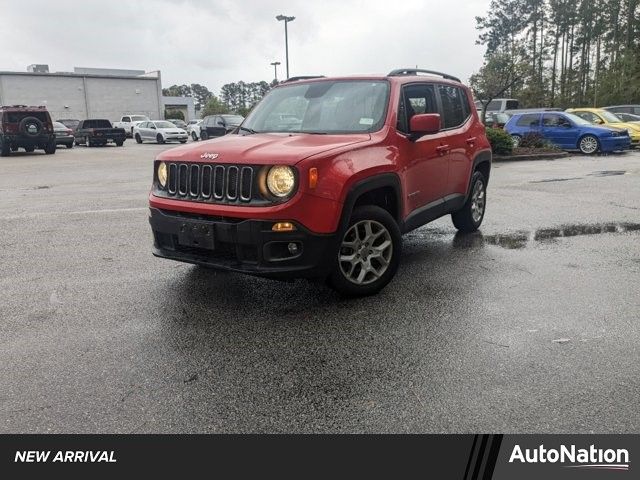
(563,53)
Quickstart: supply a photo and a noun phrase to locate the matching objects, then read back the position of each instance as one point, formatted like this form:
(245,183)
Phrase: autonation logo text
(592,457)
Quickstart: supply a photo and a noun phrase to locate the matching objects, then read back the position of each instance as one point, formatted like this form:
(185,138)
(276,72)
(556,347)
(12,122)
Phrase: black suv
(219,125)
(26,127)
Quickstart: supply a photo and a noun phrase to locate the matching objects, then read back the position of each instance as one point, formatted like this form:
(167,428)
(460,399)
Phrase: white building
(86,92)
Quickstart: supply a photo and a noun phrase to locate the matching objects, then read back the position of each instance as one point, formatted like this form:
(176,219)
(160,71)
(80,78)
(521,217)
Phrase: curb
(531,156)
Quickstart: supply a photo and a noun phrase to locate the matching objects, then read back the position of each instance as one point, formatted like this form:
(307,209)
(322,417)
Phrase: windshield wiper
(246,129)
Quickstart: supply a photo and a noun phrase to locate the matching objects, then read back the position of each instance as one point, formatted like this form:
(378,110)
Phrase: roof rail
(302,77)
(414,71)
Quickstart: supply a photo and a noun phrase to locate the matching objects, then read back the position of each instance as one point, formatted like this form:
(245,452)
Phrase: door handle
(442,149)
(471,140)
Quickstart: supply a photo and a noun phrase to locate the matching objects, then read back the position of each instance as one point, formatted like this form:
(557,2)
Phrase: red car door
(426,168)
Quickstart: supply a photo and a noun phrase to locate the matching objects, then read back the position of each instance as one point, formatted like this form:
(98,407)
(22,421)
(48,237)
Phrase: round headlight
(162,174)
(281,180)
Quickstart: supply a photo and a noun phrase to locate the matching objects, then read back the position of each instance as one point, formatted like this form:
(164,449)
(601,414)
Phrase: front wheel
(588,144)
(469,217)
(138,138)
(119,143)
(194,136)
(159,138)
(369,253)
(5,150)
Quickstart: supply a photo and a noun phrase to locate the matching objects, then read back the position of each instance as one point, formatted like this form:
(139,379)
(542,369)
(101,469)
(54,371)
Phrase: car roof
(398,78)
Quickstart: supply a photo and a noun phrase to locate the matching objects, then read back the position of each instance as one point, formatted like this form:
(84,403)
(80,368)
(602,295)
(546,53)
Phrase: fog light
(293,248)
(283,227)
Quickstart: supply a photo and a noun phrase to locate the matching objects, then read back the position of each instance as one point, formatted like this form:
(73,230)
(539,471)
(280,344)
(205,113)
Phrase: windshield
(576,119)
(232,119)
(139,118)
(343,106)
(609,117)
(164,125)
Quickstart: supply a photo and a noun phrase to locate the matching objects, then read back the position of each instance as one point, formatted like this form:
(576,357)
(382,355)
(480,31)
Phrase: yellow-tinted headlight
(162,174)
(281,180)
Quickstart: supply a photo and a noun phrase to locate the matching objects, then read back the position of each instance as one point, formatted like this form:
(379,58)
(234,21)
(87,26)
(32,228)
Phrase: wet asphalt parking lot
(531,325)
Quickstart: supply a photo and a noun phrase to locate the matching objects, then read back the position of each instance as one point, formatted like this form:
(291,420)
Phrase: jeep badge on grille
(209,156)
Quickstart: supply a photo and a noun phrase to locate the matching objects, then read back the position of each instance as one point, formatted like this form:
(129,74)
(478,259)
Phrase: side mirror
(567,125)
(424,123)
(221,123)
(599,121)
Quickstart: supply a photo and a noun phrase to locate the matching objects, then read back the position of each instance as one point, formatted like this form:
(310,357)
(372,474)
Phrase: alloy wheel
(478,201)
(365,253)
(588,144)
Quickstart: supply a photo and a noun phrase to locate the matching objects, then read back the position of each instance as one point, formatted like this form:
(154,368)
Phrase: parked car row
(589,130)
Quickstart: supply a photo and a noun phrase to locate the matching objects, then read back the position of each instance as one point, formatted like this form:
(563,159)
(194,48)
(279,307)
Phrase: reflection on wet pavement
(520,239)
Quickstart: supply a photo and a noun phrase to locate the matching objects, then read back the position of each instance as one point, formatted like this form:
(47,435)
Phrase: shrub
(532,140)
(501,143)
(173,114)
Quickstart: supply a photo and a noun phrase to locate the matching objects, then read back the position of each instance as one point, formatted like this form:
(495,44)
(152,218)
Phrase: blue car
(568,132)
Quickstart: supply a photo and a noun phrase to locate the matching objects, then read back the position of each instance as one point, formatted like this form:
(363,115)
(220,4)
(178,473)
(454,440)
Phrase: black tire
(194,136)
(5,150)
(159,138)
(338,279)
(120,143)
(589,144)
(29,149)
(14,149)
(183,141)
(204,136)
(69,145)
(50,149)
(469,218)
(23,126)
(138,138)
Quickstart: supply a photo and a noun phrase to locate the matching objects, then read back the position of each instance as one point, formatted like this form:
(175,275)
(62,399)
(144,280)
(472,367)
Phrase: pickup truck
(129,121)
(98,132)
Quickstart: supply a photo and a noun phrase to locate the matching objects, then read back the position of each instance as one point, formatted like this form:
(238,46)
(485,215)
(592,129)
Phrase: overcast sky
(213,42)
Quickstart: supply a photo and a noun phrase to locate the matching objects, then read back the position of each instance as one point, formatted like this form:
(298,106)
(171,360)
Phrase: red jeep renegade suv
(323,177)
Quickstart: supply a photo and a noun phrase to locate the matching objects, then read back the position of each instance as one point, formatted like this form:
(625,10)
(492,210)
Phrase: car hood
(626,125)
(262,148)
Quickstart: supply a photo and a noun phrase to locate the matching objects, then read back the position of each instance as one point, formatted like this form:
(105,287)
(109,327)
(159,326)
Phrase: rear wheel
(69,145)
(159,138)
(50,148)
(369,253)
(138,138)
(588,144)
(29,149)
(119,143)
(204,136)
(5,149)
(469,217)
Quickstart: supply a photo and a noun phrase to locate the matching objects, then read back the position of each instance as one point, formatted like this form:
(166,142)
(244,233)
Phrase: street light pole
(285,19)
(275,69)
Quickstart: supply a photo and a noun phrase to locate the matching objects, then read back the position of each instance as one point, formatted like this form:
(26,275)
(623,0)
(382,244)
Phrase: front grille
(212,183)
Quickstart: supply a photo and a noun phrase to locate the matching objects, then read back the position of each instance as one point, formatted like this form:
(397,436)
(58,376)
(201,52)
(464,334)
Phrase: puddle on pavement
(608,173)
(520,239)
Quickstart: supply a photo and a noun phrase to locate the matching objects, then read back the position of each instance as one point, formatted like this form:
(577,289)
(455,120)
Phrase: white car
(193,129)
(159,131)
(128,122)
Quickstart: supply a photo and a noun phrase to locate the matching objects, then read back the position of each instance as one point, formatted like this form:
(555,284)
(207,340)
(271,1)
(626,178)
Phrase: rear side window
(531,120)
(512,105)
(554,120)
(453,110)
(494,105)
(126,119)
(97,124)
(416,99)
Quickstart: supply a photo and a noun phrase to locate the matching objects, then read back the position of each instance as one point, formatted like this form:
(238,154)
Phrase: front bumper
(609,144)
(182,136)
(241,245)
